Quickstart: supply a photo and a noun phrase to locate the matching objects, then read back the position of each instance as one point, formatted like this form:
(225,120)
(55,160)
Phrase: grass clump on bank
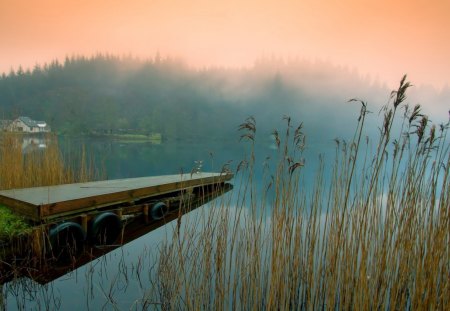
(371,233)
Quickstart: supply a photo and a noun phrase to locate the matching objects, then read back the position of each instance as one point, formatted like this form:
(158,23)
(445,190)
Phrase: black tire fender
(158,211)
(66,239)
(105,228)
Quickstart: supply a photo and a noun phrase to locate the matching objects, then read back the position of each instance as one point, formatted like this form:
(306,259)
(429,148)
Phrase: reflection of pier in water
(46,271)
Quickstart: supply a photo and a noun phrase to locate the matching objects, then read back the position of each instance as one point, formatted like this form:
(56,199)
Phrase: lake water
(122,278)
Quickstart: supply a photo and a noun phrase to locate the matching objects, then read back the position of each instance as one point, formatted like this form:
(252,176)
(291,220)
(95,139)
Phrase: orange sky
(381,37)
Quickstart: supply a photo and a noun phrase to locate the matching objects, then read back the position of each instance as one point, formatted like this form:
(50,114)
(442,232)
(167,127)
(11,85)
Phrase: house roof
(27,121)
(32,123)
(10,125)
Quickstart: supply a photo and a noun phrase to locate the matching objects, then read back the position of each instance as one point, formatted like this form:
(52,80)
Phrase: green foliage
(11,224)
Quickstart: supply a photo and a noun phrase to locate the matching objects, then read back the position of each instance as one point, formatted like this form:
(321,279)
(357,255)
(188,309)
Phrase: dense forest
(109,94)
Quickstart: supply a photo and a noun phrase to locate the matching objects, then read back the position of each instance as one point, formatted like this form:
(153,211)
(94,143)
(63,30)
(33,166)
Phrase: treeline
(106,93)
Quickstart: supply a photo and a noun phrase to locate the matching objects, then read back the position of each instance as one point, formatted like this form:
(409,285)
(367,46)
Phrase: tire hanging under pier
(67,240)
(159,210)
(105,228)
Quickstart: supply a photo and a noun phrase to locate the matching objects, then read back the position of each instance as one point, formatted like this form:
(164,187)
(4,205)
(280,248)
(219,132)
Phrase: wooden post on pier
(145,211)
(38,242)
(119,212)
(84,222)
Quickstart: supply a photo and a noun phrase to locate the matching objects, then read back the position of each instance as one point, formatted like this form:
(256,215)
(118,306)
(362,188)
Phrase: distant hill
(112,94)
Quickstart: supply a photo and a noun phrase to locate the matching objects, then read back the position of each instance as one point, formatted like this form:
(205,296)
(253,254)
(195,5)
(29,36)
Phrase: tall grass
(372,233)
(41,167)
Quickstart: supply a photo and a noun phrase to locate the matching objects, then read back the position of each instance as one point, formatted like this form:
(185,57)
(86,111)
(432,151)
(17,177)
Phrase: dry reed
(371,234)
(42,167)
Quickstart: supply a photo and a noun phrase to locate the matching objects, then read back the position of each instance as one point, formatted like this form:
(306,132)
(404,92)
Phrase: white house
(26,125)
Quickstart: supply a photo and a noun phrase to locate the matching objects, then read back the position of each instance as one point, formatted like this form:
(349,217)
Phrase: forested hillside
(124,94)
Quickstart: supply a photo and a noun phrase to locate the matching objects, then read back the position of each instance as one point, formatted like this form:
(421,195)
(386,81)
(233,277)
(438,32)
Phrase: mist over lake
(108,94)
(278,119)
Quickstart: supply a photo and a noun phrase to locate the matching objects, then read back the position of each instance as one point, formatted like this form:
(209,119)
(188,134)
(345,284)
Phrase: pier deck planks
(41,203)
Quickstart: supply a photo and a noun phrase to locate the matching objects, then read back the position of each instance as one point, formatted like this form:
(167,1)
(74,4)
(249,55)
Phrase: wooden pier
(46,271)
(68,218)
(46,203)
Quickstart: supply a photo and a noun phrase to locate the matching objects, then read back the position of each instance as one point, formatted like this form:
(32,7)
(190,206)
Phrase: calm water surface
(122,278)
